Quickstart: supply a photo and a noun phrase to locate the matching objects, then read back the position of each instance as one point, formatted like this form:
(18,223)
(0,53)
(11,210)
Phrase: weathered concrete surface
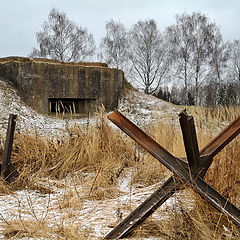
(40,80)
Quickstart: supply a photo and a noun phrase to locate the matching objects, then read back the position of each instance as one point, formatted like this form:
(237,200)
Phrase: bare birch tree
(114,46)
(234,61)
(148,54)
(62,39)
(193,38)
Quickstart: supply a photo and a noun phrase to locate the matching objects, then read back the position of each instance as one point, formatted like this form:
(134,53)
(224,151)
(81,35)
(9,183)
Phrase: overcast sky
(21,19)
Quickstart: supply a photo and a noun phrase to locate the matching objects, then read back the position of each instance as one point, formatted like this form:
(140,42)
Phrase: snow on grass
(98,217)
(143,109)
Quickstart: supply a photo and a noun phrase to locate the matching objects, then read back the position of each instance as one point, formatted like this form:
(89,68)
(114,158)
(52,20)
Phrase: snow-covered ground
(94,215)
(142,108)
(138,107)
(97,217)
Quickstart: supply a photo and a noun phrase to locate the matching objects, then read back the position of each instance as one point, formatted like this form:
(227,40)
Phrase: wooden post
(8,145)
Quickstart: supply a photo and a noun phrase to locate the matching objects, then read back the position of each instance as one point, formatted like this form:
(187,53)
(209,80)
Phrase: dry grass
(95,149)
(34,229)
(94,157)
(212,118)
(199,223)
(148,170)
(224,173)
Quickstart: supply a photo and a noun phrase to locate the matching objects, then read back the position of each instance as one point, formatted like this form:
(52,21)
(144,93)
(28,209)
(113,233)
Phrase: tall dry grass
(98,150)
(202,222)
(22,229)
(213,118)
(104,153)
(224,173)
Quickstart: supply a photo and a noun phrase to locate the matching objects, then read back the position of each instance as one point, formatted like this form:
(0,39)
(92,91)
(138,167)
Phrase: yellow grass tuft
(201,222)
(18,229)
(97,149)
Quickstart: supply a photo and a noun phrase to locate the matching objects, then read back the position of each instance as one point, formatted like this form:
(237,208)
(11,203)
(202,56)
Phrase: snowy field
(96,218)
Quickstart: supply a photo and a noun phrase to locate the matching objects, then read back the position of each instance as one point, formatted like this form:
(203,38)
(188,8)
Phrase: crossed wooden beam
(191,172)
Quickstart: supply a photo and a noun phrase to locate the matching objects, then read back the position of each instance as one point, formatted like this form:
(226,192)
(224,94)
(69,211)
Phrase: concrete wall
(38,80)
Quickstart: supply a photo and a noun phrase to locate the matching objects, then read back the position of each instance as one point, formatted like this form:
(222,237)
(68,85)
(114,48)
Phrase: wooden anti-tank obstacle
(7,170)
(191,172)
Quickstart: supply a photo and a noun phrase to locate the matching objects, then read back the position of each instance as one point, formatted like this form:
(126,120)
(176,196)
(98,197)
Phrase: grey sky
(21,19)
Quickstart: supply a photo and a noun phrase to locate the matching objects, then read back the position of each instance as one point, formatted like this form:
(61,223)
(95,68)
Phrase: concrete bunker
(53,87)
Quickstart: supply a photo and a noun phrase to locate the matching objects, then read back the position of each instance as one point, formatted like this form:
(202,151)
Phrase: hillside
(139,107)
